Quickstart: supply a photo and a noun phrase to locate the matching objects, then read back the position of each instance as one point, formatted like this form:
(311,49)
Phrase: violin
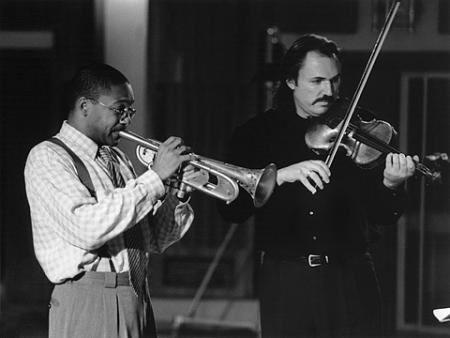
(365,139)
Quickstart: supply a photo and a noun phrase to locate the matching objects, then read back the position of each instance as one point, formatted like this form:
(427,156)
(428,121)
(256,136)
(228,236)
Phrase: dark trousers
(99,305)
(340,299)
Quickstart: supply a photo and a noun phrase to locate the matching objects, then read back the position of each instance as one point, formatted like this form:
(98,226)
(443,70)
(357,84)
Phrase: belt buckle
(320,258)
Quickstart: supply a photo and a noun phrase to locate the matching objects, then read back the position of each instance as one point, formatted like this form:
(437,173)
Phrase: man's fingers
(389,160)
(316,179)
(307,184)
(410,162)
(324,174)
(181,150)
(402,160)
(324,168)
(173,141)
(200,177)
(188,168)
(395,161)
(410,165)
(186,157)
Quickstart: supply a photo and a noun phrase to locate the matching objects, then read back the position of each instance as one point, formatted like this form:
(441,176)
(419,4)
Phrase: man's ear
(83,105)
(291,83)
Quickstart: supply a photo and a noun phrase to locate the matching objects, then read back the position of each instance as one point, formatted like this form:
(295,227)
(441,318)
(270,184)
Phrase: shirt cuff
(153,183)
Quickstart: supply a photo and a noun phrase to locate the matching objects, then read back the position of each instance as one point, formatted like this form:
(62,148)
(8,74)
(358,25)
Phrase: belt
(107,279)
(316,260)
(312,260)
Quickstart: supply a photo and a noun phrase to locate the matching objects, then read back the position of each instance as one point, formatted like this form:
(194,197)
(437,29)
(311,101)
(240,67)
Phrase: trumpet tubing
(259,183)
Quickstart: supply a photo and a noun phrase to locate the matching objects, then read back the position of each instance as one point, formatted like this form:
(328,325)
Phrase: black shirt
(339,220)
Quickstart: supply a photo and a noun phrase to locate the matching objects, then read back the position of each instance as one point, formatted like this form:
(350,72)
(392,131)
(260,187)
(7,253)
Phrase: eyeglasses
(123,112)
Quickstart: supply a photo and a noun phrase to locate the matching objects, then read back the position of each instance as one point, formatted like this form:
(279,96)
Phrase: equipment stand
(189,326)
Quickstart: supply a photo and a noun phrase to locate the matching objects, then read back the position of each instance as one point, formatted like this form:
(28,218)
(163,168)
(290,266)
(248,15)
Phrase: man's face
(105,121)
(317,85)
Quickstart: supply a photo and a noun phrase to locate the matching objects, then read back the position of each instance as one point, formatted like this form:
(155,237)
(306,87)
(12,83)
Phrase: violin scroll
(439,162)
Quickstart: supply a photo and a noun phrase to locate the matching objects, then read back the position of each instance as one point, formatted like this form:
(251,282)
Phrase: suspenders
(85,178)
(82,171)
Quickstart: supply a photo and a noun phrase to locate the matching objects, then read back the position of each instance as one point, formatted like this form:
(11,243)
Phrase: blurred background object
(199,68)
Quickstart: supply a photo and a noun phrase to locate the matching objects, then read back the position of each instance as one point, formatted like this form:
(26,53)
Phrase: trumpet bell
(265,185)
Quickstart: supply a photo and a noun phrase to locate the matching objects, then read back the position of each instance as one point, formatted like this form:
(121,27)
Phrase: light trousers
(99,305)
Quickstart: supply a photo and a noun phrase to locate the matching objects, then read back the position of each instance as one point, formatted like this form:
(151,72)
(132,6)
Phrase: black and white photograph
(224,168)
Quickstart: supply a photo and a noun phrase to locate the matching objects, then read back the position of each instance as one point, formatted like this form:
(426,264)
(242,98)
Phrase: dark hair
(91,81)
(293,60)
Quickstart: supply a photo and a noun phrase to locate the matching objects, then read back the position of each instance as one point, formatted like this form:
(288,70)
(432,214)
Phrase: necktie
(133,237)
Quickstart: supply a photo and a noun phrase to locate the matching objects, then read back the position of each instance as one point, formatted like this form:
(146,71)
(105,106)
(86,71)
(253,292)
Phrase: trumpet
(227,178)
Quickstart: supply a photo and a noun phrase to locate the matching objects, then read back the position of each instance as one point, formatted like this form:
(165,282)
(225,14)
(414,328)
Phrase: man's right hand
(171,154)
(307,172)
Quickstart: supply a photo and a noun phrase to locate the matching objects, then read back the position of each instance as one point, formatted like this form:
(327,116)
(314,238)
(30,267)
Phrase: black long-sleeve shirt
(336,221)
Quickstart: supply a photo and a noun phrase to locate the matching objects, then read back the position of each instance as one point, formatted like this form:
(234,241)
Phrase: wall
(425,36)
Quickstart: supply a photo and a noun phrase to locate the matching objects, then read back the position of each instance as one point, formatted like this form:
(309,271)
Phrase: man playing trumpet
(94,222)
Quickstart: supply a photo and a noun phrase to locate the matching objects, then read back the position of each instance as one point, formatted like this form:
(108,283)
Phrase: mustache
(119,128)
(326,99)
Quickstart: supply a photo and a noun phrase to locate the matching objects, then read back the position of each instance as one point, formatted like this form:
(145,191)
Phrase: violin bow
(353,103)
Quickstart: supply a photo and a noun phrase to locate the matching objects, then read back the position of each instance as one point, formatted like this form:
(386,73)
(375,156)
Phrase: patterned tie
(133,237)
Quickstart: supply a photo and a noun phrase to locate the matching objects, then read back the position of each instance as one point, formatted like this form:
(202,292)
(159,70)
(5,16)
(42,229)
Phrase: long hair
(293,60)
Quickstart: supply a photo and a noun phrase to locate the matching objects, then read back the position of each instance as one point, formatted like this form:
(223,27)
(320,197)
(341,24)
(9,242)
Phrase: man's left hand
(398,169)
(194,175)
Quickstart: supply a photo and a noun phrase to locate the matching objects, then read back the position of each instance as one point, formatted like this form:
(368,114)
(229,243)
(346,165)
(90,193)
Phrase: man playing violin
(317,277)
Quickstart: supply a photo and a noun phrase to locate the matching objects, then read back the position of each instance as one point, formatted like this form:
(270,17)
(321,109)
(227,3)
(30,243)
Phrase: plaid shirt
(69,224)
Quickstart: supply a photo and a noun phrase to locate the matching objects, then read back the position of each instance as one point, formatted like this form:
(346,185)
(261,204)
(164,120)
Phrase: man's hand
(307,172)
(171,154)
(398,169)
(191,174)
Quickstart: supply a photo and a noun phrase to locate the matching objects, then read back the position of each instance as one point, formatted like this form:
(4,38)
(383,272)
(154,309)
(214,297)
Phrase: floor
(35,329)
(33,325)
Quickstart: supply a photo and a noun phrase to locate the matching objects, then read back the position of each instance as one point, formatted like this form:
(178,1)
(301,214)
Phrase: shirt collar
(77,140)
